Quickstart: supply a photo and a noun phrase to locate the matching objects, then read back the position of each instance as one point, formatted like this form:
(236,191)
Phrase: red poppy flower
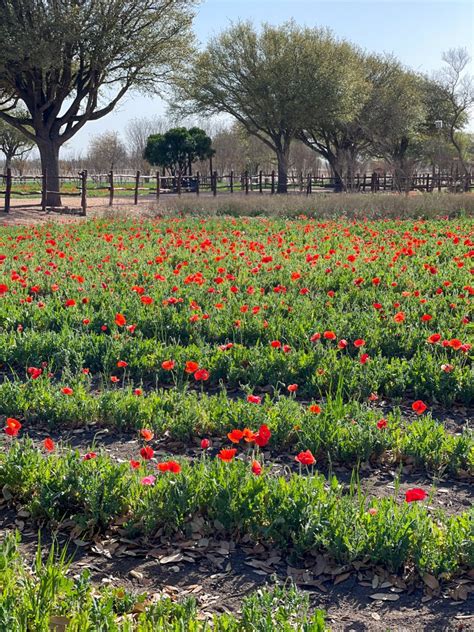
(146,434)
(399,317)
(235,436)
(13,427)
(426,318)
(134,464)
(169,466)
(434,338)
(147,453)
(256,468)
(415,494)
(191,367)
(342,344)
(114,379)
(292,388)
(359,342)
(254,399)
(447,368)
(364,358)
(381,424)
(66,390)
(120,320)
(89,456)
(455,343)
(329,335)
(419,407)
(227,455)
(146,300)
(201,375)
(315,337)
(205,444)
(48,444)
(122,364)
(263,436)
(276,344)
(137,392)
(305,458)
(70,302)
(249,435)
(315,409)
(168,365)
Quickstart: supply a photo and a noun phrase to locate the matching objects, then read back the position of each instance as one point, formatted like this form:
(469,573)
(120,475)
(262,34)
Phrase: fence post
(197,182)
(137,182)
(310,184)
(232,181)
(273,182)
(84,192)
(43,192)
(215,183)
(8,190)
(178,182)
(157,185)
(439,182)
(111,187)
(246,182)
(260,182)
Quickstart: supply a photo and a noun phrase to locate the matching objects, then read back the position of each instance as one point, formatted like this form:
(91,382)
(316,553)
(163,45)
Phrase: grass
(46,597)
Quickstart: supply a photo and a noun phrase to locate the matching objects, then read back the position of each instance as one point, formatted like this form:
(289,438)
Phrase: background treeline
(293,99)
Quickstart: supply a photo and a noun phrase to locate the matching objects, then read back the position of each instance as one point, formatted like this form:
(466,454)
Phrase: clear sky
(415,32)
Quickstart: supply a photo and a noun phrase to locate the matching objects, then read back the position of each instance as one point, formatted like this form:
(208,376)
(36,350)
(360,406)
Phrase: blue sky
(415,32)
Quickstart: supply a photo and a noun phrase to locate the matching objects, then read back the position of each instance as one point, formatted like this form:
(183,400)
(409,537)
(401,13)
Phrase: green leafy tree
(72,61)
(13,144)
(268,81)
(178,148)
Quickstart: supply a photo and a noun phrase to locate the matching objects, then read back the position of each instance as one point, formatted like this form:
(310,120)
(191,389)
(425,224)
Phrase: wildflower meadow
(288,397)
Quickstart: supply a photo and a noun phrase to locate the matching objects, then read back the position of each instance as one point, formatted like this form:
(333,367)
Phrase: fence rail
(152,186)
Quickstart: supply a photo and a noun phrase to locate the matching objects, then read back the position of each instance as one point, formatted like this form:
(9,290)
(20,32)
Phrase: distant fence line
(152,186)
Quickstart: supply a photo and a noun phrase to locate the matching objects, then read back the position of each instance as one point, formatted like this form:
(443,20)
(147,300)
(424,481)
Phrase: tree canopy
(269,80)
(72,61)
(178,148)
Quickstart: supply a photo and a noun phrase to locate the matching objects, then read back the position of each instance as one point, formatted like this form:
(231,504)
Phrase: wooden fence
(112,186)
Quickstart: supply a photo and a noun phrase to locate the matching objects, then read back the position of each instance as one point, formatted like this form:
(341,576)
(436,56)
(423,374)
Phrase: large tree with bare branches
(71,61)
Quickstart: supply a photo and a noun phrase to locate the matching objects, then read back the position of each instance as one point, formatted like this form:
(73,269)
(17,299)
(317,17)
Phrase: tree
(340,136)
(458,93)
(13,144)
(137,133)
(178,148)
(267,81)
(106,151)
(72,61)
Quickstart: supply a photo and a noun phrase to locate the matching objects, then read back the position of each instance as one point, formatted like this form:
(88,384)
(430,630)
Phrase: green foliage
(298,513)
(45,596)
(178,148)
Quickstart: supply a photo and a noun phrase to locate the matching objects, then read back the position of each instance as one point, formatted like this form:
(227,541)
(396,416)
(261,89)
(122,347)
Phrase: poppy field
(187,385)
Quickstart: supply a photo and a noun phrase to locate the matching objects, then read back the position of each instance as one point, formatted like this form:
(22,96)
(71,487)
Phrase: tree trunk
(8,163)
(49,154)
(282,158)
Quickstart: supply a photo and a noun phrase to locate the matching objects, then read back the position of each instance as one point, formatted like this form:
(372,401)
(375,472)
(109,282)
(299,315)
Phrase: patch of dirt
(219,581)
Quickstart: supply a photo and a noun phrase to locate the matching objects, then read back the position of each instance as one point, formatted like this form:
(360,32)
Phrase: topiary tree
(178,148)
